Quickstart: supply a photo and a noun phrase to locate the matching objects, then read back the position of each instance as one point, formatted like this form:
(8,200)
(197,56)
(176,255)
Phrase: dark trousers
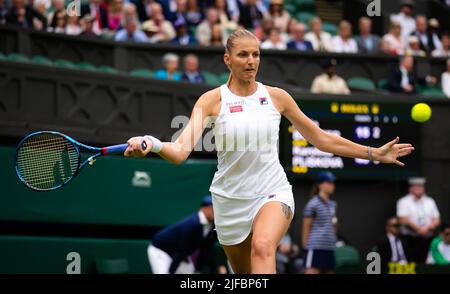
(416,248)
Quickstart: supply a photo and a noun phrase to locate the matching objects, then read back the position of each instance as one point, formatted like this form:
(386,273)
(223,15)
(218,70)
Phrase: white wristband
(157,145)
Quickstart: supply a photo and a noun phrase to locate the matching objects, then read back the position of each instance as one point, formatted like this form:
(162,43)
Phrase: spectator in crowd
(445,80)
(115,14)
(204,29)
(41,7)
(168,8)
(385,47)
(191,73)
(298,41)
(419,217)
(329,82)
(217,36)
(170,63)
(320,40)
(227,23)
(184,247)
(274,41)
(251,14)
(390,247)
(433,28)
(87,26)
(73,25)
(180,12)
(401,79)
(184,37)
(414,47)
(288,260)
(25,16)
(404,18)
(194,15)
(96,9)
(3,11)
(58,24)
(343,42)
(427,42)
(444,51)
(366,41)
(166,32)
(141,8)
(131,33)
(440,247)
(279,15)
(318,236)
(394,39)
(151,31)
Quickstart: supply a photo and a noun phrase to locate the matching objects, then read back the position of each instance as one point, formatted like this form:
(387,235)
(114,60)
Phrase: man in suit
(390,247)
(298,41)
(181,248)
(191,73)
(366,41)
(401,79)
(428,41)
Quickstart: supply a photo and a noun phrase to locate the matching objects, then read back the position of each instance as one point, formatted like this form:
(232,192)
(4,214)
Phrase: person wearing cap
(419,216)
(404,18)
(182,247)
(165,32)
(318,235)
(183,36)
(329,82)
(414,47)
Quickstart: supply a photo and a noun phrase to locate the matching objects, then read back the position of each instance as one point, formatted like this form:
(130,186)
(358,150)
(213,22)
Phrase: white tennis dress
(249,172)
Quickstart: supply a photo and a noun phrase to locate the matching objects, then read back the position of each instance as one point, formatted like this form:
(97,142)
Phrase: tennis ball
(421,112)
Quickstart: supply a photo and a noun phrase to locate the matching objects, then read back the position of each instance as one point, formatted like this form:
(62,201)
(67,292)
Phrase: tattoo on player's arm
(286,211)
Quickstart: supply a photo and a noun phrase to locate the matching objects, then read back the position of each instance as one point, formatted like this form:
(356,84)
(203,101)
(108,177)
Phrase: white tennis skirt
(233,217)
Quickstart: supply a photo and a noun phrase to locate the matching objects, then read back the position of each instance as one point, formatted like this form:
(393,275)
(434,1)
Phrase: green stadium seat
(434,92)
(86,66)
(382,84)
(347,260)
(305,5)
(142,72)
(304,17)
(361,83)
(64,63)
(211,79)
(17,57)
(291,8)
(330,28)
(223,78)
(107,69)
(38,59)
(112,266)
(2,56)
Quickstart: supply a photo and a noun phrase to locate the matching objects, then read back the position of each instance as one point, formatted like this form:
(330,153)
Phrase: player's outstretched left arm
(388,153)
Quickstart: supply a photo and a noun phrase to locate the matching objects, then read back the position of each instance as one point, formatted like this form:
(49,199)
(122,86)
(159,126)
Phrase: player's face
(243,59)
(327,187)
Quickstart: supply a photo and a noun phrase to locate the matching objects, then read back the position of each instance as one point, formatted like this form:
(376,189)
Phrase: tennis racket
(45,161)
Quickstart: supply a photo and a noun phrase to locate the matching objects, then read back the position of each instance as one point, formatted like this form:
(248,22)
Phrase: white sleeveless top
(246,137)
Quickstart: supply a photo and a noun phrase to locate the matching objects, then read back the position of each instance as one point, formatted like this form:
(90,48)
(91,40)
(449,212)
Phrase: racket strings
(46,161)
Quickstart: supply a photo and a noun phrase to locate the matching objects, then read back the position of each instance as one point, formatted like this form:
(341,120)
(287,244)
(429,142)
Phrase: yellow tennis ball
(421,112)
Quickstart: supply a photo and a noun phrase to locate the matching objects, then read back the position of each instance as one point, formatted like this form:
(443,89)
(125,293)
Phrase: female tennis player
(252,198)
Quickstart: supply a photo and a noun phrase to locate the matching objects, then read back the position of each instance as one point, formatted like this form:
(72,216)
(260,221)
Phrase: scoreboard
(366,123)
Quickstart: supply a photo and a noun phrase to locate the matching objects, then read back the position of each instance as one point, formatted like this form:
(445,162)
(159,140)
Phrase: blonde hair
(237,34)
(231,42)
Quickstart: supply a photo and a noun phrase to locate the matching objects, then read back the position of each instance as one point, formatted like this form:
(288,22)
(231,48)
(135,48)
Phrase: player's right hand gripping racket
(47,160)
